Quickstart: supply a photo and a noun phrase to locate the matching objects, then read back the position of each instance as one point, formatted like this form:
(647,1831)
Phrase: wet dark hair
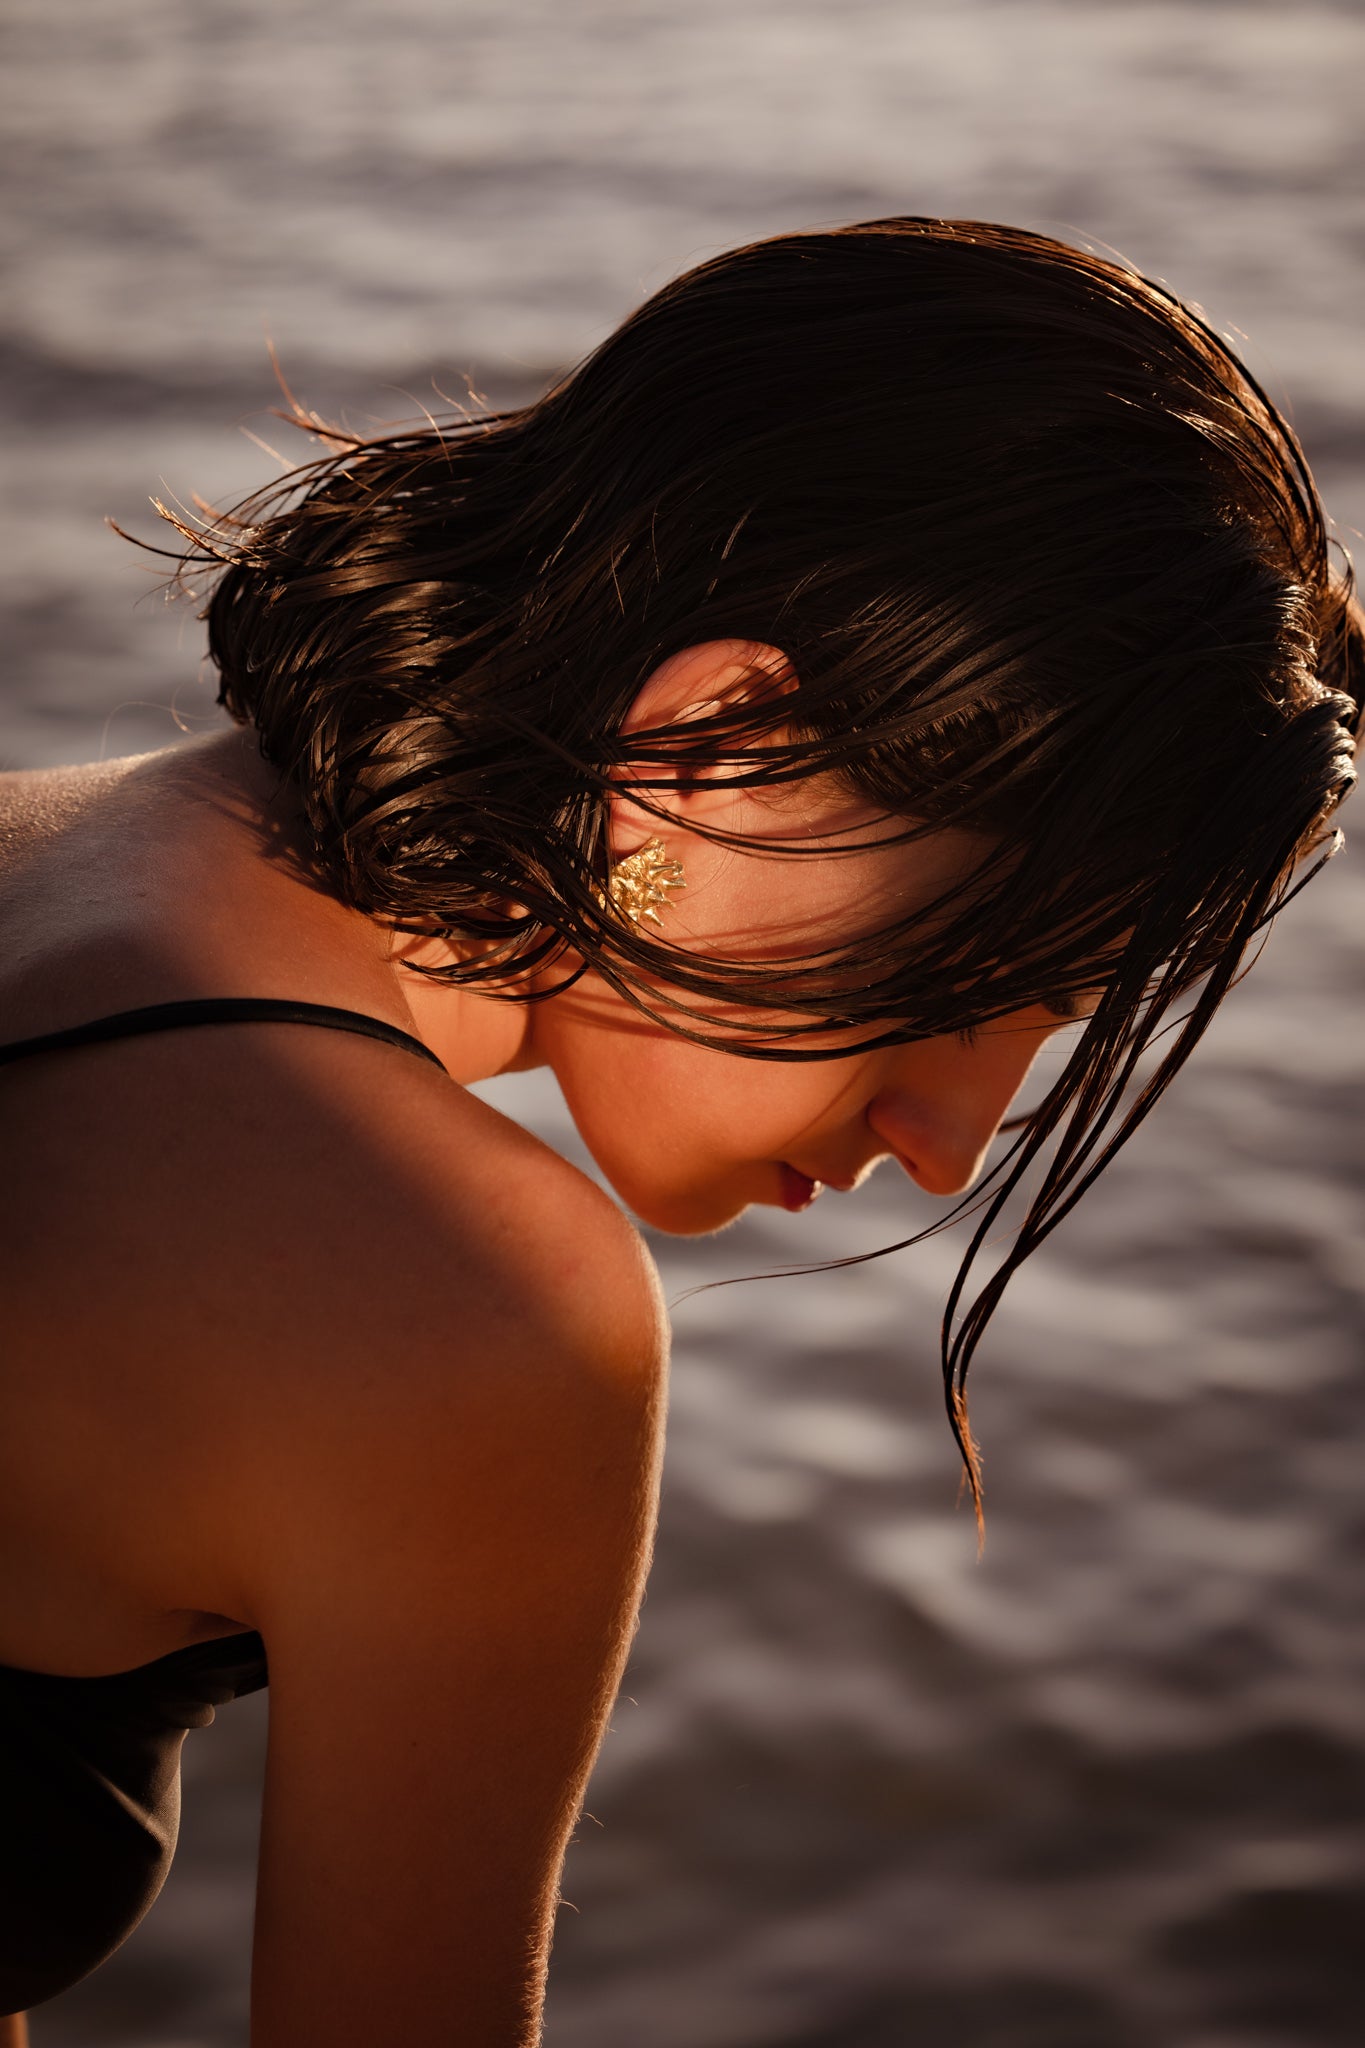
(1044,560)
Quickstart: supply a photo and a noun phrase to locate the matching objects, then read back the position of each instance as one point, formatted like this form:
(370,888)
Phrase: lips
(798,1189)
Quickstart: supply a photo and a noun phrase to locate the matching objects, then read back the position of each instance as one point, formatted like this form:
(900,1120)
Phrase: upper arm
(435,1708)
(447,1577)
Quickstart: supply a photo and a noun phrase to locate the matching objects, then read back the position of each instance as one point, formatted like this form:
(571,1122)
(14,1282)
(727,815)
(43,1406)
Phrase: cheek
(688,1138)
(686,1107)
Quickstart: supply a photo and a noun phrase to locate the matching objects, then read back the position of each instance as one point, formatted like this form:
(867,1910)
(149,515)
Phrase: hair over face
(1044,560)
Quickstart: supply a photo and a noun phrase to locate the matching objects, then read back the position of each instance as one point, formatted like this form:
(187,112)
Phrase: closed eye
(1076,1006)
(1067,1009)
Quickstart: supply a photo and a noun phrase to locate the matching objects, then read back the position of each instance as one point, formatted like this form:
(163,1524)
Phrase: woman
(890,644)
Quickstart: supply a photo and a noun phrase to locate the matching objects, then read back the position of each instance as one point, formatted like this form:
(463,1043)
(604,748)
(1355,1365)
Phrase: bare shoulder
(444,1319)
(322,1286)
(36,804)
(544,1261)
(431,1260)
(576,1253)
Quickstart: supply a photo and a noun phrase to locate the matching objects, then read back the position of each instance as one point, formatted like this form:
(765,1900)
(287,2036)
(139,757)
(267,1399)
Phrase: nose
(944,1102)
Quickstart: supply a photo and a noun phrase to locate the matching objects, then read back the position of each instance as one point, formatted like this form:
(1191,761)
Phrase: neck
(473,1035)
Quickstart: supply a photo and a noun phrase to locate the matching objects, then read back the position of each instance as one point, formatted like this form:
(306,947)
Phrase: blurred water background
(1105,1788)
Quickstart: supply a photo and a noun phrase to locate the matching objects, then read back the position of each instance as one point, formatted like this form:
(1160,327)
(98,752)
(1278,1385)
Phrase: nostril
(936,1159)
(936,1177)
(942,1183)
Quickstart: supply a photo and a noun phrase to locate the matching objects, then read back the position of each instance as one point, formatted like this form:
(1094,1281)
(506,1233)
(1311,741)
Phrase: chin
(685,1212)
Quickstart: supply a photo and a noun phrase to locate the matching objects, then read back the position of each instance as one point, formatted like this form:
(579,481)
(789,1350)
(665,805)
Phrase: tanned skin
(303,1337)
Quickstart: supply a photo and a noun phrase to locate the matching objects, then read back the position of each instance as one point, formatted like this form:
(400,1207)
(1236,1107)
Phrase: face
(690,1137)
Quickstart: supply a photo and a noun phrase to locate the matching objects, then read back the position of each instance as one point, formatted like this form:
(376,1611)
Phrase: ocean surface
(1104,1788)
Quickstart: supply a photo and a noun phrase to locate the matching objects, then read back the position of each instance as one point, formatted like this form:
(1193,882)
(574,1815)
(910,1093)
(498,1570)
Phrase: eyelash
(1067,1009)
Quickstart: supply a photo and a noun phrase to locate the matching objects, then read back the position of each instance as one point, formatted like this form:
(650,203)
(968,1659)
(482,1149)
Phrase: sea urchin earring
(640,884)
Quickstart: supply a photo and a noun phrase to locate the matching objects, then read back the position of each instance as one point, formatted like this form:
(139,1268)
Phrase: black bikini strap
(216,1010)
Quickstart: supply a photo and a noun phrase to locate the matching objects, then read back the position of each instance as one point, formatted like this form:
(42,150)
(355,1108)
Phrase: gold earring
(639,885)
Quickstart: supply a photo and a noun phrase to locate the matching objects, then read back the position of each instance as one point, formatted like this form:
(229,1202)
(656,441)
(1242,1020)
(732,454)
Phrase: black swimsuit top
(90,1767)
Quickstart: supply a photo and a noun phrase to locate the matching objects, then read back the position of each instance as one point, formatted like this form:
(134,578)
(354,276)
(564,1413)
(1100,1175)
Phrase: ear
(692,684)
(698,680)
